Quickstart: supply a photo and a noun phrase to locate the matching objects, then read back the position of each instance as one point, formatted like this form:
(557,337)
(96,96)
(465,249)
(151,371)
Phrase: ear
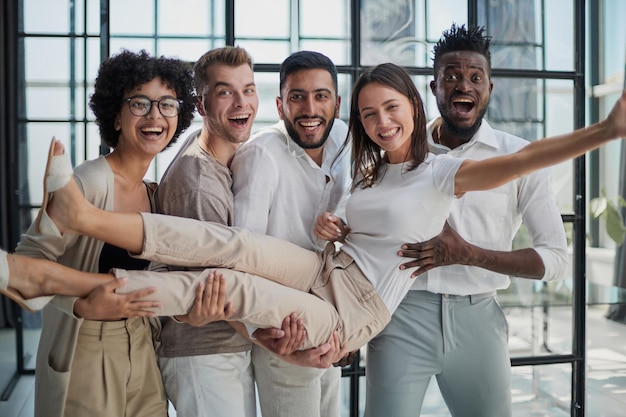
(433,87)
(200,106)
(117,124)
(337,107)
(279,107)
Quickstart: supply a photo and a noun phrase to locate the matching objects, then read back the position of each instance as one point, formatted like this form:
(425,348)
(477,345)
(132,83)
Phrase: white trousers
(287,390)
(215,385)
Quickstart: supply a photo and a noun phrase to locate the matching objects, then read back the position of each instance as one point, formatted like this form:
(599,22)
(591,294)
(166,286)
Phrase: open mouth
(463,105)
(152,131)
(240,120)
(389,133)
(310,125)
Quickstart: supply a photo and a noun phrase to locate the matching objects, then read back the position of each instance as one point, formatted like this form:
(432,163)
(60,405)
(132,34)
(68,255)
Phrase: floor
(537,391)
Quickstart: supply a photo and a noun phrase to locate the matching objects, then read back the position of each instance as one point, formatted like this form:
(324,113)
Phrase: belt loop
(101,331)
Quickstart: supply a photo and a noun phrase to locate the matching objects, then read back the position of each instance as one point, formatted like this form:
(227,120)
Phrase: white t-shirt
(405,206)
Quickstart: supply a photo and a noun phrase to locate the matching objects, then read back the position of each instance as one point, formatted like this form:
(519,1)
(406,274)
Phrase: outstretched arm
(493,172)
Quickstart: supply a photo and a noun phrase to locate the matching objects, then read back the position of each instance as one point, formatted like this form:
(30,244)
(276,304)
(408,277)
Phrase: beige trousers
(115,372)
(266,278)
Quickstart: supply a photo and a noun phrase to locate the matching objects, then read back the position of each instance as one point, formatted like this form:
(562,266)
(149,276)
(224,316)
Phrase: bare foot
(22,282)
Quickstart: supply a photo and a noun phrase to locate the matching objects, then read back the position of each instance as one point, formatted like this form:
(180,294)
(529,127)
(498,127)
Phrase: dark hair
(368,156)
(459,38)
(305,60)
(232,56)
(127,70)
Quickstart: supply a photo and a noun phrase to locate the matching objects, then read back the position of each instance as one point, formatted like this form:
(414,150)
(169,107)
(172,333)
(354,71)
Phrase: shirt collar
(485,136)
(331,147)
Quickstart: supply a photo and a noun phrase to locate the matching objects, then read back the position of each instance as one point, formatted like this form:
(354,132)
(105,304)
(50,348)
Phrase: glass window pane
(613,39)
(440,16)
(266,19)
(403,32)
(188,49)
(51,16)
(338,51)
(47,59)
(124,17)
(93,16)
(265,51)
(335,15)
(189,17)
(559,36)
(542,390)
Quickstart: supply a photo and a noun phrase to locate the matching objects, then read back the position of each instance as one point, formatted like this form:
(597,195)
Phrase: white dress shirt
(490,219)
(280,191)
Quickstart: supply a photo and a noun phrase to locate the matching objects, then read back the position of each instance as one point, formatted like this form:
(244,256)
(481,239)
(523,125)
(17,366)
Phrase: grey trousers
(266,279)
(461,340)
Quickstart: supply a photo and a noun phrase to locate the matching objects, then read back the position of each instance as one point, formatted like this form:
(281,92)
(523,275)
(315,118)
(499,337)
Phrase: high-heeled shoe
(58,173)
(30,305)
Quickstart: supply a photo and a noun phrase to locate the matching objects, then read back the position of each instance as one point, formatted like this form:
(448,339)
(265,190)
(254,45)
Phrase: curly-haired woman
(96,356)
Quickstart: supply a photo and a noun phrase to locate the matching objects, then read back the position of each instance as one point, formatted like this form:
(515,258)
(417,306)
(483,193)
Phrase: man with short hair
(206,369)
(450,325)
(284,177)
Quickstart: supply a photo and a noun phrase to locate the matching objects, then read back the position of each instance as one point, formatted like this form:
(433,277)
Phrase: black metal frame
(9,233)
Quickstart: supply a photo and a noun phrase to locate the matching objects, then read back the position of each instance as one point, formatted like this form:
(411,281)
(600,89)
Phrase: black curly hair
(460,38)
(127,70)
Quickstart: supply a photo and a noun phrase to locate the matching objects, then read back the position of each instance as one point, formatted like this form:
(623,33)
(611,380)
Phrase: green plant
(603,207)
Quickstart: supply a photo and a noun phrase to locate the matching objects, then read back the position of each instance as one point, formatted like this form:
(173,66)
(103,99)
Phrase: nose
(239,100)
(308,105)
(154,112)
(462,85)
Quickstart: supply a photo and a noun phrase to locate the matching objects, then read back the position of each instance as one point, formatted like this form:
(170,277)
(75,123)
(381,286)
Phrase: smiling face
(462,87)
(387,118)
(229,102)
(151,133)
(308,105)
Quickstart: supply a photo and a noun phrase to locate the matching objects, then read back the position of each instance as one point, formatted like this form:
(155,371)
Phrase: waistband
(104,328)
(472,298)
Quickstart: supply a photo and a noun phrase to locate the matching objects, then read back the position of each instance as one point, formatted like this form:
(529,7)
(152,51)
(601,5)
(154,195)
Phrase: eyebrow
(454,66)
(225,84)
(383,103)
(302,90)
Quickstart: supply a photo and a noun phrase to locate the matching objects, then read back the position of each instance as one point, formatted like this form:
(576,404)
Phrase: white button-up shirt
(490,219)
(280,191)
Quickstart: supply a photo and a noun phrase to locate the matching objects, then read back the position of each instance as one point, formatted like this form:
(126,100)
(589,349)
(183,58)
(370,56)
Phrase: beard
(293,134)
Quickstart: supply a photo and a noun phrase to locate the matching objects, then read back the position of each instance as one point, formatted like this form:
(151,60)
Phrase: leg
(210,385)
(24,277)
(482,386)
(402,359)
(330,381)
(114,372)
(257,301)
(178,241)
(286,390)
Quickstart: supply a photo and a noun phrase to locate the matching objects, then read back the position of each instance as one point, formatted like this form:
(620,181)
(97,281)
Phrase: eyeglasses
(142,106)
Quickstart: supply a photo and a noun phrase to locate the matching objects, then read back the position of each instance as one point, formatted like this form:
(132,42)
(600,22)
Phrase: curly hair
(127,70)
(368,156)
(460,38)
